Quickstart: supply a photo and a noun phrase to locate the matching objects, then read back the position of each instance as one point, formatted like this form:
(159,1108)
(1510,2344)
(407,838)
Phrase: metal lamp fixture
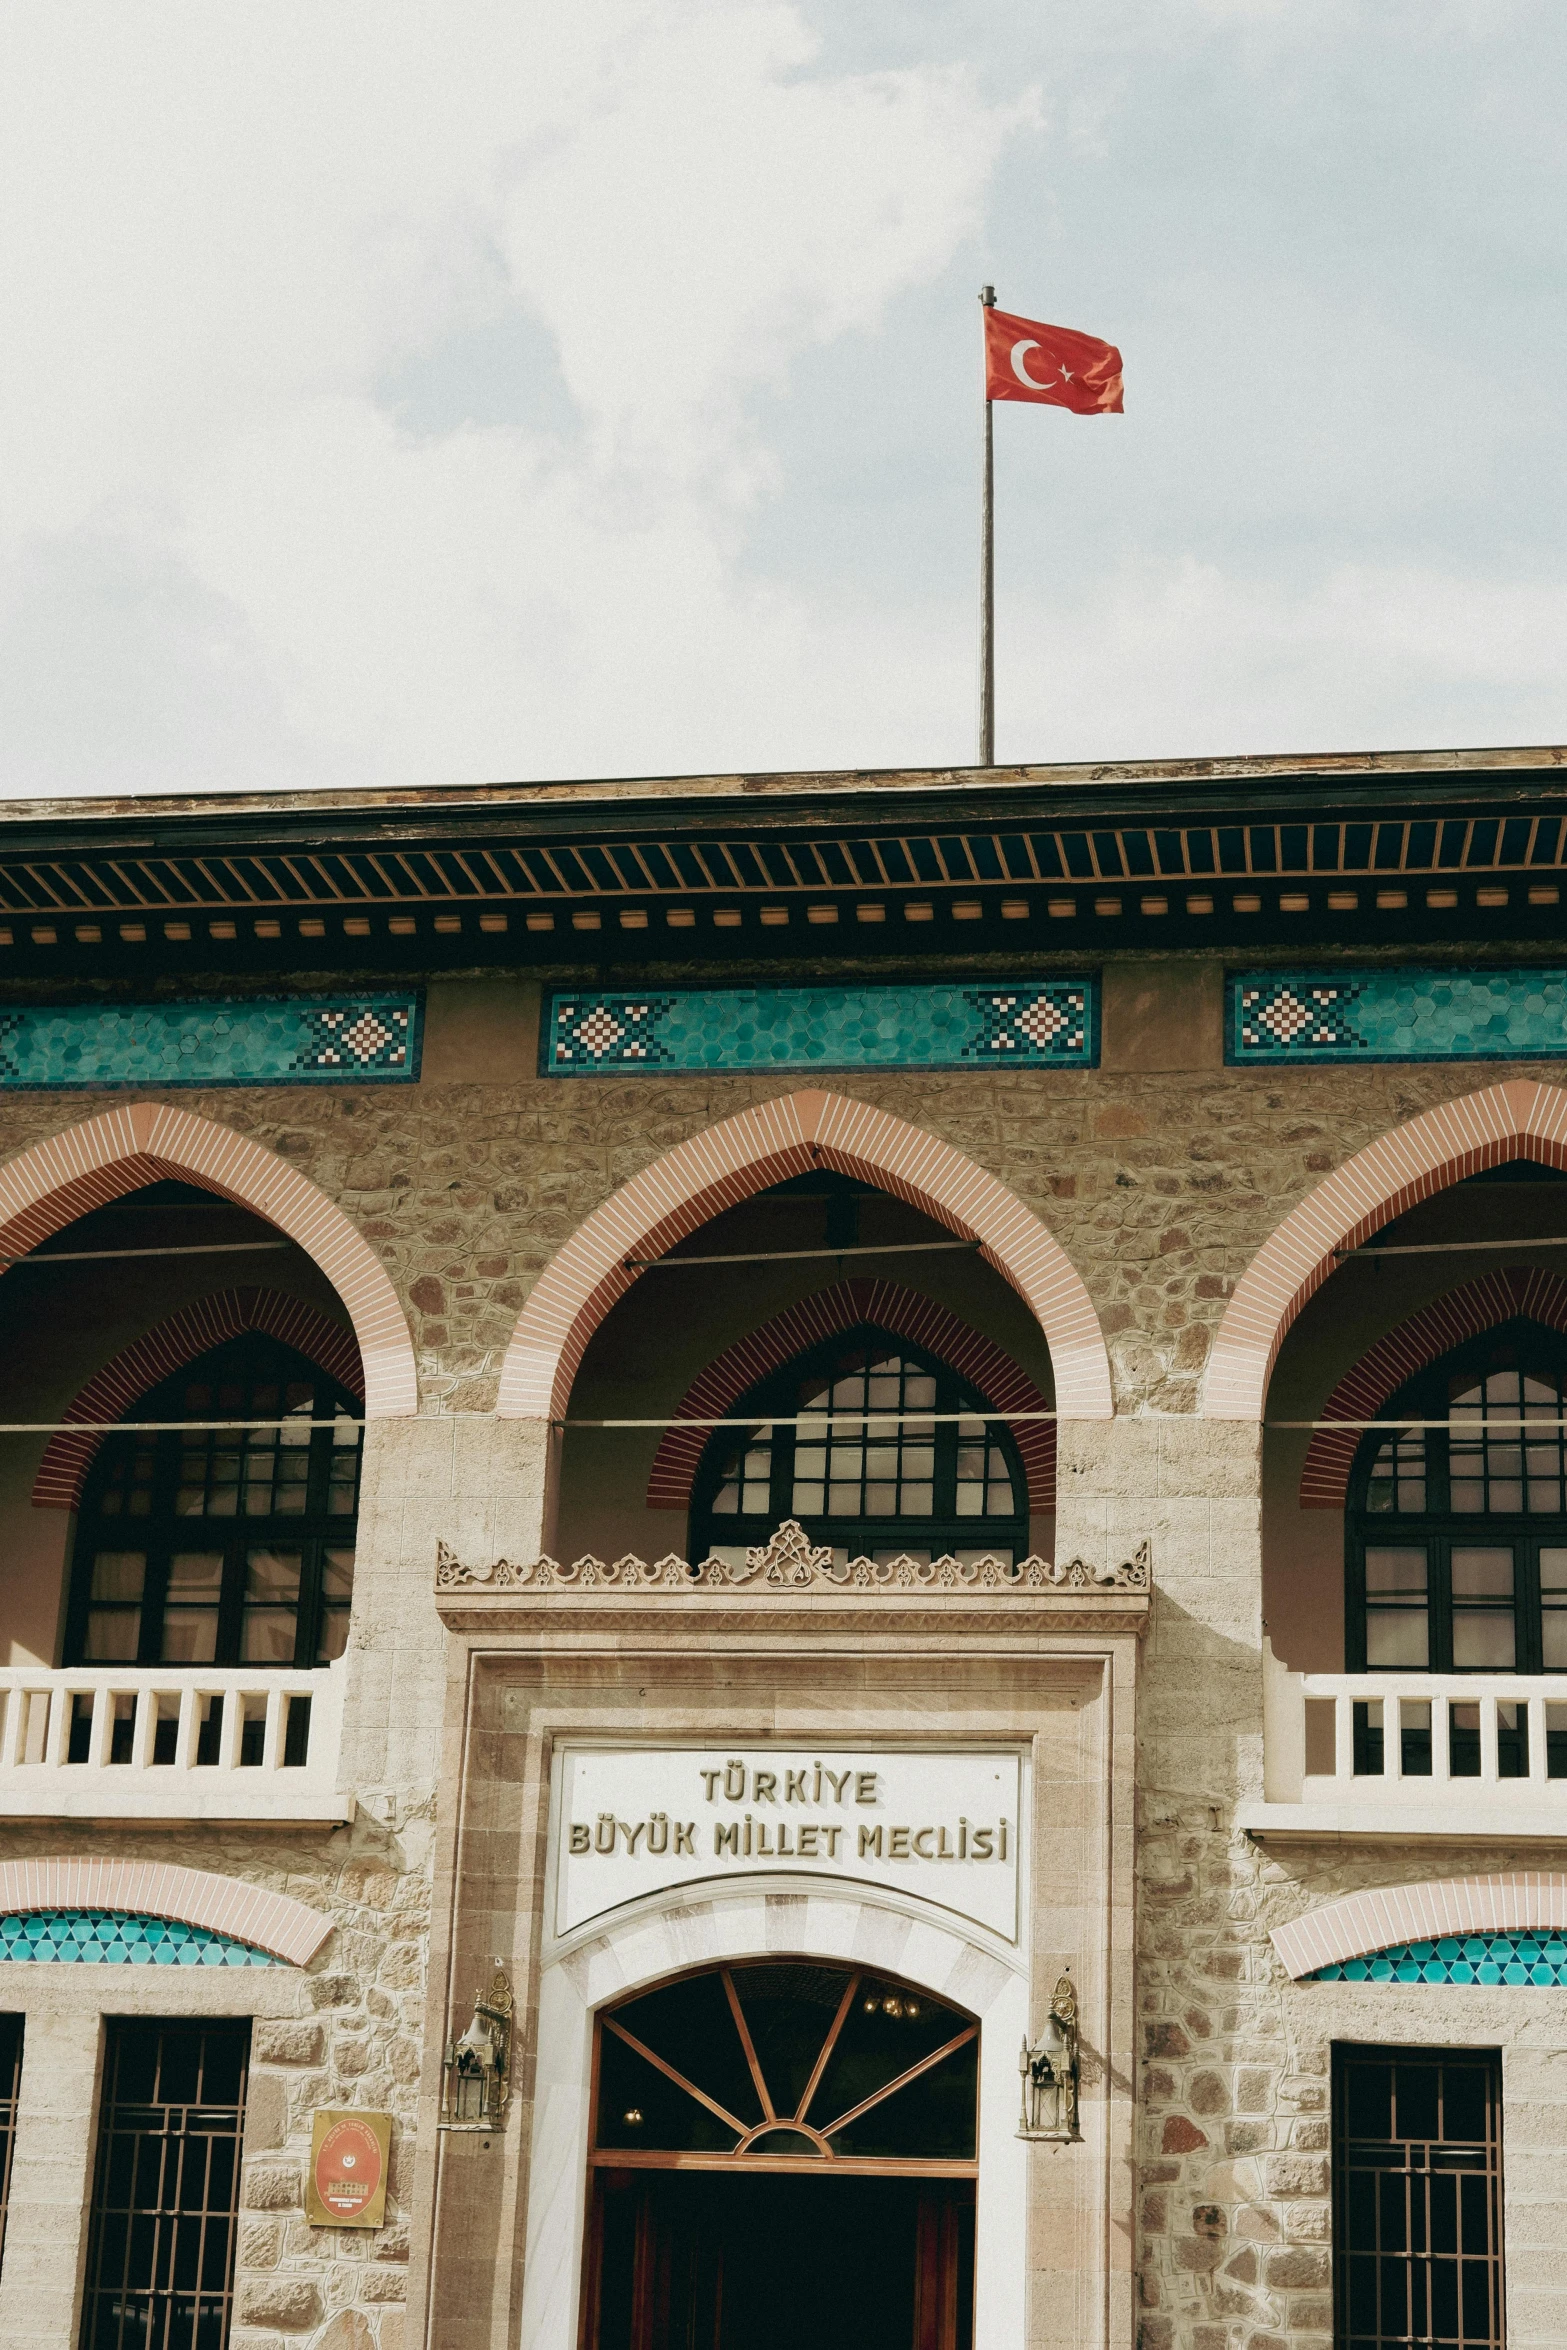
(1049,2072)
(476,2076)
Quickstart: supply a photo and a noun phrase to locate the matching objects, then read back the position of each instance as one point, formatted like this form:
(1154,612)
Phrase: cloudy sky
(413,393)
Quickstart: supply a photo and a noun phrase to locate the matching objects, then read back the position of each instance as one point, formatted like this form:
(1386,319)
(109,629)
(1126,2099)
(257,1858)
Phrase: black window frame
(158,2228)
(1391,2209)
(253,1358)
(941,1532)
(13,2037)
(1438,1529)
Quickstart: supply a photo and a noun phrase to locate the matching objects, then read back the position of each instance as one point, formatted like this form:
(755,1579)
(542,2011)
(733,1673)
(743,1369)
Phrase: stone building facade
(1096,1101)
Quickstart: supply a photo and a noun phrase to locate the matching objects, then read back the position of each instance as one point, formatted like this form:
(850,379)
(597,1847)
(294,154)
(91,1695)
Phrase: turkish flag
(1027,361)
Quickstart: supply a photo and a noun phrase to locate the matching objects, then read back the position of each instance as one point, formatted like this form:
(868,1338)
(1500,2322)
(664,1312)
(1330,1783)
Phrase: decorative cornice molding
(790,1564)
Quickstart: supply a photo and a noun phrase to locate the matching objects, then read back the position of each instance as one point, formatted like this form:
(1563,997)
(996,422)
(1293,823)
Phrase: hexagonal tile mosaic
(1397,1014)
(1023,1023)
(114,1937)
(1527,1959)
(250,1040)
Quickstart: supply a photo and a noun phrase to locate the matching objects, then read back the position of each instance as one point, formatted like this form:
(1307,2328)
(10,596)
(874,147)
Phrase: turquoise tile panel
(1396,1014)
(1031,1023)
(1526,1960)
(117,1937)
(371,1039)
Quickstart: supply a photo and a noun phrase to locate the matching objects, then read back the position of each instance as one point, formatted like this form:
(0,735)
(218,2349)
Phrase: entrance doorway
(784,2155)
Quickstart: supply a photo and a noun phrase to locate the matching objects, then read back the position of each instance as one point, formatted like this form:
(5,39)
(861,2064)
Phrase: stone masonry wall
(1160,1185)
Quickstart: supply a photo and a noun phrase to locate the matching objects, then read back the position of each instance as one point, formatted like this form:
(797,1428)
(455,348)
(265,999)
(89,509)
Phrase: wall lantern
(1049,2072)
(476,2077)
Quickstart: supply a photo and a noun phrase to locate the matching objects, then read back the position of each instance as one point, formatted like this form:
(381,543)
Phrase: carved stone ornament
(791,1563)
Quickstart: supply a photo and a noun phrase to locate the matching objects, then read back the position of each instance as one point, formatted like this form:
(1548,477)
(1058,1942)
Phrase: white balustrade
(197,1742)
(1391,1753)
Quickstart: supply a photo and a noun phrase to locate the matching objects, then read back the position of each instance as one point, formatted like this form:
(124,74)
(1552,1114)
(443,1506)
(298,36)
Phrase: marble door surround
(1041,1681)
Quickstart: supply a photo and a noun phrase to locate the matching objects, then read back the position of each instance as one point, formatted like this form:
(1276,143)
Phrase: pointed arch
(727,1163)
(1435,1330)
(1518,1901)
(1518,1120)
(274,1922)
(86,1166)
(152,1358)
(892,1306)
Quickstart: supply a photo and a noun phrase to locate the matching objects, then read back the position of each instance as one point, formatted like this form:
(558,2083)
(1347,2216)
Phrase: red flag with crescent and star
(1025,360)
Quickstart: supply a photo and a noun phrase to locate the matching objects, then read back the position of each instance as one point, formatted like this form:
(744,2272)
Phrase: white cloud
(405,393)
(228,229)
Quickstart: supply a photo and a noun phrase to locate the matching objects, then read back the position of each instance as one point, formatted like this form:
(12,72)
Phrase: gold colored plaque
(349,2154)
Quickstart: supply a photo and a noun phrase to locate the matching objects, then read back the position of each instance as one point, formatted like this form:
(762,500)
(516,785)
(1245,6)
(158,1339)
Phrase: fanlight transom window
(226,1546)
(774,2066)
(877,1448)
(1457,1531)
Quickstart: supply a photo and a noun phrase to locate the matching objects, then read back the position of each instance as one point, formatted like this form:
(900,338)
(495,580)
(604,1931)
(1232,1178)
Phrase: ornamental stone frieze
(790,1566)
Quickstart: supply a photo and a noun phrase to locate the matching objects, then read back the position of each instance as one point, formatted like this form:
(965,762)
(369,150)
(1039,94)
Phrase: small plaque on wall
(349,2153)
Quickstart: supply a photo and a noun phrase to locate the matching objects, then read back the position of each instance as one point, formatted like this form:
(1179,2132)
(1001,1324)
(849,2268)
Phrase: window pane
(196,1575)
(1484,1641)
(1553,1569)
(337,1575)
(1396,1571)
(272,1575)
(1483,1574)
(1397,1639)
(267,1636)
(190,1636)
(119,1574)
(113,1636)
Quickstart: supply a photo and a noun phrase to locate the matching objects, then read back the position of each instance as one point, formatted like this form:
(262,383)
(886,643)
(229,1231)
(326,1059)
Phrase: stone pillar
(479,1486)
(51,2179)
(1232,2226)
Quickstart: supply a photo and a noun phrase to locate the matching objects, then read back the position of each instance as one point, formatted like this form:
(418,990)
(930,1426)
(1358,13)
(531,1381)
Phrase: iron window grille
(864,1473)
(207,1546)
(160,2253)
(1456,1535)
(1417,2198)
(11,2029)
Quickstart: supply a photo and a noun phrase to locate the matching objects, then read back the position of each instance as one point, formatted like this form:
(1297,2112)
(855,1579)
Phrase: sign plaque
(941,1825)
(349,2152)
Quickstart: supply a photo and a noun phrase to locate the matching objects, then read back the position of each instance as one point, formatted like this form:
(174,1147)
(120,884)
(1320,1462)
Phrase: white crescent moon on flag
(1020,371)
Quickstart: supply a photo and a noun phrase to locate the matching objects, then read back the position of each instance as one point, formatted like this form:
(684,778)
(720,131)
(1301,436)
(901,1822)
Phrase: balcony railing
(171,1743)
(1455,1754)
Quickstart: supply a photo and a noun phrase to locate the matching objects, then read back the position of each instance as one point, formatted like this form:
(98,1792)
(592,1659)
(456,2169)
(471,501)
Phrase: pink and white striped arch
(1518,1120)
(109,1393)
(1445,1323)
(55,1181)
(727,1163)
(154,1888)
(1521,1902)
(842,1305)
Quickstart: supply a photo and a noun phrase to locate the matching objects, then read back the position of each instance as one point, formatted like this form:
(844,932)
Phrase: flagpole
(987,576)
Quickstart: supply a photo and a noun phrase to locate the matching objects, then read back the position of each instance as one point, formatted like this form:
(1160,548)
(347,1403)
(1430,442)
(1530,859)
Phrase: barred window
(877,1448)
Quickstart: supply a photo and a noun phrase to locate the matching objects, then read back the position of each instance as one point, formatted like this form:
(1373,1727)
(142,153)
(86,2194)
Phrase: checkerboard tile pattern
(1517,1959)
(104,1937)
(298,1040)
(1028,1023)
(1396,1014)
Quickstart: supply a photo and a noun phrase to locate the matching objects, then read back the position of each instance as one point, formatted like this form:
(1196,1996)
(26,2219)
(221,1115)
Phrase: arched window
(1457,1532)
(892,1455)
(208,1546)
